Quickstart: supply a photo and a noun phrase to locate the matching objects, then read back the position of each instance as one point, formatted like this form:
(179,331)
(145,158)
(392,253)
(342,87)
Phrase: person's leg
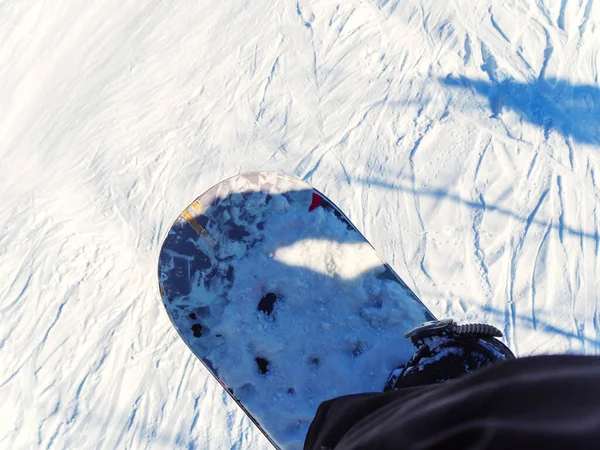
(545,402)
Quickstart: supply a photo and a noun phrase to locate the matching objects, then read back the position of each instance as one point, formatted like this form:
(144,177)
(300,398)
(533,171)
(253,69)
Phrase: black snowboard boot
(446,351)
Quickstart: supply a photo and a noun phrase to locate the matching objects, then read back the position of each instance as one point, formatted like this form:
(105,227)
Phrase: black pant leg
(545,402)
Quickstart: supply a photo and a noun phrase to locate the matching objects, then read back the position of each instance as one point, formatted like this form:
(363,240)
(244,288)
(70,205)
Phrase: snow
(460,138)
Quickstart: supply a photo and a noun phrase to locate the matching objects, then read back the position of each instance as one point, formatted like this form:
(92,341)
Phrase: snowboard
(283,300)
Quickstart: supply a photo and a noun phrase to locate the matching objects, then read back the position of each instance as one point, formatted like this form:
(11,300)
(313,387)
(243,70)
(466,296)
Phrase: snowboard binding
(446,350)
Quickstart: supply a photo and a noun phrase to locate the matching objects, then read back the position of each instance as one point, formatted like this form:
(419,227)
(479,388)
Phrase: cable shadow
(440,193)
(551,104)
(539,325)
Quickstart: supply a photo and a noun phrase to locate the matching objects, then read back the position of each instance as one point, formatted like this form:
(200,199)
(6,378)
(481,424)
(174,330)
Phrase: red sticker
(316,201)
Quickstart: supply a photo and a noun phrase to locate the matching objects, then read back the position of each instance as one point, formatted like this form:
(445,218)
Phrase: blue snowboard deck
(283,300)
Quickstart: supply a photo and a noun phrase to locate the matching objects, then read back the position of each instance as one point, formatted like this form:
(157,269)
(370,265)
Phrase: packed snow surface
(460,137)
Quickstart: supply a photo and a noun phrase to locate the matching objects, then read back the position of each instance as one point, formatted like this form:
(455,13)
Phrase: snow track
(462,139)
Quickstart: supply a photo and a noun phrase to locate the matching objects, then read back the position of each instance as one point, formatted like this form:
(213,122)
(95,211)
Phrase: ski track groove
(511,313)
(586,17)
(594,211)
(509,325)
(561,15)
(43,421)
(4,339)
(196,414)
(43,364)
(19,296)
(571,153)
(531,217)
(478,250)
(480,160)
(52,325)
(467,49)
(308,24)
(497,27)
(596,321)
(577,324)
(561,214)
(183,374)
(532,164)
(542,8)
(309,173)
(261,109)
(54,436)
(532,281)
(422,249)
(547,54)
(130,422)
(346,175)
(14,374)
(76,400)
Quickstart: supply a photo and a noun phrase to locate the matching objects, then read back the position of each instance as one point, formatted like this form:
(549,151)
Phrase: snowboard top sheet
(283,300)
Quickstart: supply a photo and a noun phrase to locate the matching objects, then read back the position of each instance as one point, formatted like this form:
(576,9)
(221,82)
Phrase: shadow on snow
(551,104)
(538,324)
(444,194)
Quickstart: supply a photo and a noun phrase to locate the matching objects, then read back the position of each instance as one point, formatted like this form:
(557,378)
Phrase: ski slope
(461,138)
